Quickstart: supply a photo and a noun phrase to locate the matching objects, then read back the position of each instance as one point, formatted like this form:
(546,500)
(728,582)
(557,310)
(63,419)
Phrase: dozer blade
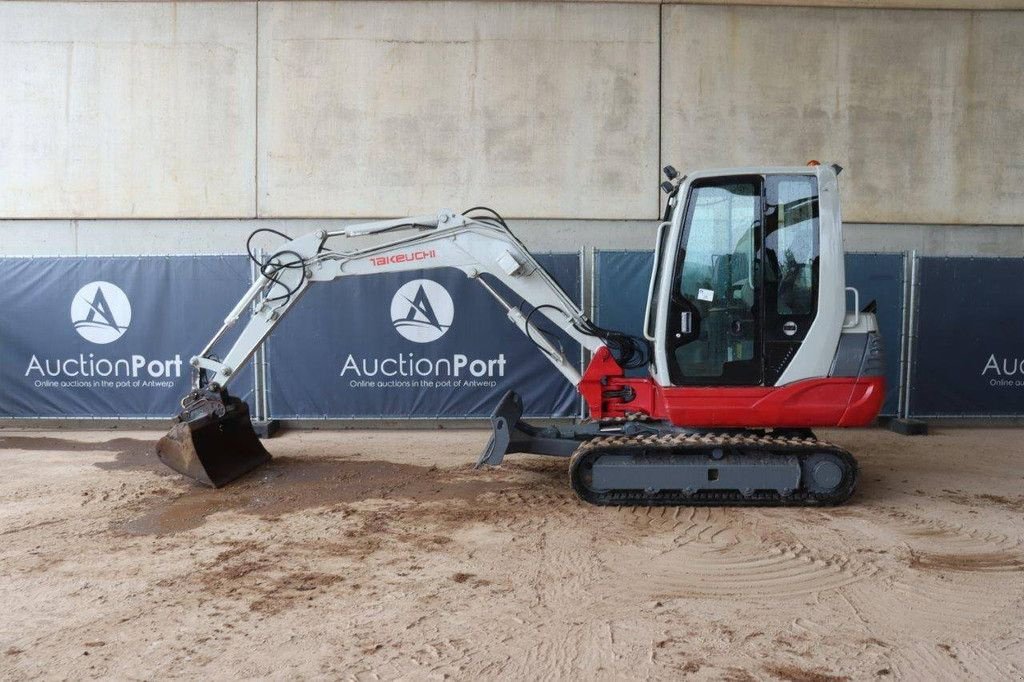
(509,434)
(215,448)
(504,421)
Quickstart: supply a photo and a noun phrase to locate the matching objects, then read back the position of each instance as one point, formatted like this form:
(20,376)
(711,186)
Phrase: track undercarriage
(650,463)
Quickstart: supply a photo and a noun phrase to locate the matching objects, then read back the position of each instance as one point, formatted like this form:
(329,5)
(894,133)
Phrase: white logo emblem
(422,310)
(100,312)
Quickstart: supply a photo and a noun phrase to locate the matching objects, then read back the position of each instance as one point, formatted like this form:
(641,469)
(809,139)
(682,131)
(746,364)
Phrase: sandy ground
(384,555)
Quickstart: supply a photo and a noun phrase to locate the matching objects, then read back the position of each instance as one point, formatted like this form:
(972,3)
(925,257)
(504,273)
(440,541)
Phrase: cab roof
(762,170)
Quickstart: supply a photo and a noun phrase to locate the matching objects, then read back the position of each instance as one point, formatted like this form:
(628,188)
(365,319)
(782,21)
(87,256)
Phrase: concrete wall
(861,4)
(925,109)
(126,110)
(113,112)
(382,109)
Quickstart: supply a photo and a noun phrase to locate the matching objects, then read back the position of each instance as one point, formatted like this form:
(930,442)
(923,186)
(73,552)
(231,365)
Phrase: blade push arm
(447,239)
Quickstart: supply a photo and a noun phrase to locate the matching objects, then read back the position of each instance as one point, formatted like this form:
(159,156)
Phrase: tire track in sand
(941,579)
(719,553)
(957,660)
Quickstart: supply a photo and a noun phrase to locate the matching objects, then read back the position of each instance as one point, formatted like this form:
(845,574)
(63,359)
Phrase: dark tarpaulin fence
(69,349)
(110,337)
(622,279)
(341,352)
(968,356)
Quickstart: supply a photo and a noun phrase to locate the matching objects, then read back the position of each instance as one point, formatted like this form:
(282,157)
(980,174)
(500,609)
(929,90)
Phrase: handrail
(648,334)
(856,309)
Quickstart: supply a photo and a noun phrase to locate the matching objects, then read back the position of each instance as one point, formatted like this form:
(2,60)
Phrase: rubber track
(701,445)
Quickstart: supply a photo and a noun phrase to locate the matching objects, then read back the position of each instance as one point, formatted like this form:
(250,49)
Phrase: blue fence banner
(969,351)
(622,279)
(110,337)
(423,344)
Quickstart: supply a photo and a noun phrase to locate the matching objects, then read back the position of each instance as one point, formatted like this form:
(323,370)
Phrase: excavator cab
(741,271)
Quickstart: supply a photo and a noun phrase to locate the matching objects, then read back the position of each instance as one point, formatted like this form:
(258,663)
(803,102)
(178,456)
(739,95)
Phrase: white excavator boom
(446,239)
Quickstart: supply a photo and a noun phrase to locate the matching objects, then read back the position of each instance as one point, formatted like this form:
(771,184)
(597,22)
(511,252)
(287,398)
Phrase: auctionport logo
(101,312)
(422,310)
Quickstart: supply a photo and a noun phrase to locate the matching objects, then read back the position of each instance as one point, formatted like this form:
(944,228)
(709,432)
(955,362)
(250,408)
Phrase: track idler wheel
(824,473)
(212,441)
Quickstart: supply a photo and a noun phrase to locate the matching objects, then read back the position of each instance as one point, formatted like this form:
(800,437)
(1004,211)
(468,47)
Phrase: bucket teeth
(216,448)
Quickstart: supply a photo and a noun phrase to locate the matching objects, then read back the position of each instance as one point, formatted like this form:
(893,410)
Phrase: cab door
(715,317)
(745,285)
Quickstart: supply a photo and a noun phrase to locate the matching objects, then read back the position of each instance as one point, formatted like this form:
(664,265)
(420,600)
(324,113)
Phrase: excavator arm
(212,440)
(447,239)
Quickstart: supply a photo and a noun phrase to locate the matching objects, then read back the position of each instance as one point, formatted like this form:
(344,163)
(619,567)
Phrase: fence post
(589,304)
(904,424)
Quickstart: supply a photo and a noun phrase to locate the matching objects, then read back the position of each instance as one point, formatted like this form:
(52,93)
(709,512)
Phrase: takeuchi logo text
(410,257)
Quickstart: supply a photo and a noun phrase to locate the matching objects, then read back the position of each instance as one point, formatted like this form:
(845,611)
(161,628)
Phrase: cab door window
(714,315)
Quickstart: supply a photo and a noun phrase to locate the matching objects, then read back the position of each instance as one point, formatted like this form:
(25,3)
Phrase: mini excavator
(747,346)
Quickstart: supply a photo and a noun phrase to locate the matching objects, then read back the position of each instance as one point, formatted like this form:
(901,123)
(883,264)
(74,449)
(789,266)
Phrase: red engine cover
(825,401)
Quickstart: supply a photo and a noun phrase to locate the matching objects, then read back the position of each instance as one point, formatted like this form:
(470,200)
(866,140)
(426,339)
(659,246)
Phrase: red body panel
(825,401)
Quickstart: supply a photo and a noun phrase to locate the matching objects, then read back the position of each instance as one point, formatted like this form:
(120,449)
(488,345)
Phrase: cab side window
(791,256)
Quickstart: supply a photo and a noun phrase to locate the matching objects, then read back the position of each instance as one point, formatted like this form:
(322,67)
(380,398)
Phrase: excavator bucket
(215,448)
